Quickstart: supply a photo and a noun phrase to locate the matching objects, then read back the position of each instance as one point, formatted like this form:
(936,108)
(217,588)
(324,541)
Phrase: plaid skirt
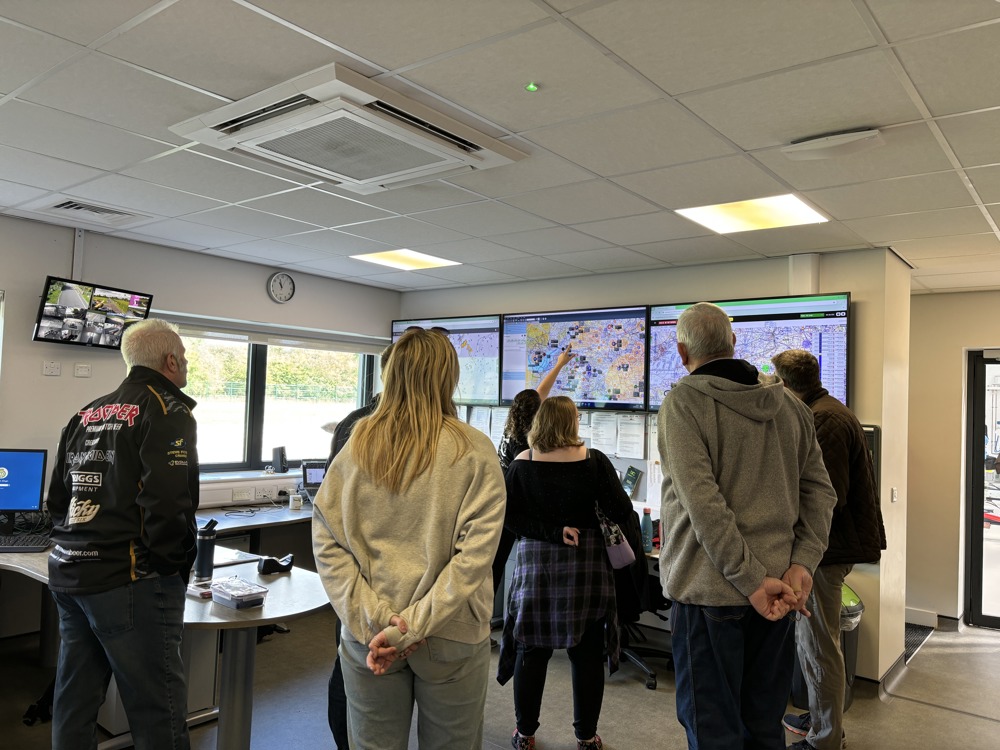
(555,593)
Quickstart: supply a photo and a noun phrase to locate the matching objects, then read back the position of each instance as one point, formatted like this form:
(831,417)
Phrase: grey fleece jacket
(745,493)
(425,554)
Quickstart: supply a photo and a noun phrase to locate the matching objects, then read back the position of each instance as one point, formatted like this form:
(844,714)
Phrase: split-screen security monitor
(477,340)
(608,371)
(763,327)
(87,314)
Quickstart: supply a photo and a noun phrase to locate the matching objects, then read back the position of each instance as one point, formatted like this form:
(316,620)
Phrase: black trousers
(336,708)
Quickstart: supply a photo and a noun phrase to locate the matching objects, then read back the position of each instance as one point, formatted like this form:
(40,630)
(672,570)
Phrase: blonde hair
(398,441)
(556,425)
(149,342)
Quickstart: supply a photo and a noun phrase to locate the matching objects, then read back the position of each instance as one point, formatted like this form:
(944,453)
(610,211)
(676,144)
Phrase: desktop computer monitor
(22,482)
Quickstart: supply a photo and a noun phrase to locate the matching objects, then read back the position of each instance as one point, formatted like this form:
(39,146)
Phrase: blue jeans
(733,675)
(134,632)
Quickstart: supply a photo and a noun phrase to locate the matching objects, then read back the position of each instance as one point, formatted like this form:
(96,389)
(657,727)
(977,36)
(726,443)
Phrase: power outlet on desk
(268,493)
(243,495)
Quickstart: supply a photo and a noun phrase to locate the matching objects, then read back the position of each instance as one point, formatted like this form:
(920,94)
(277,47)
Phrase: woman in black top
(562,593)
(515,440)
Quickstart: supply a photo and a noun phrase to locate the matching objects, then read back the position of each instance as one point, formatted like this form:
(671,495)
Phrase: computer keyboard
(23,542)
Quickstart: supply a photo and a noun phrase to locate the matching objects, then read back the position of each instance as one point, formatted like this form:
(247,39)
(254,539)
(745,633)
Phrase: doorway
(983,490)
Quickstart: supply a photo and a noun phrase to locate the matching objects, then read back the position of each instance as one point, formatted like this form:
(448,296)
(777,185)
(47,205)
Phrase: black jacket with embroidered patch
(124,488)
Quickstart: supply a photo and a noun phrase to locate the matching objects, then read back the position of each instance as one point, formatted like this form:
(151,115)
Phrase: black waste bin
(850,616)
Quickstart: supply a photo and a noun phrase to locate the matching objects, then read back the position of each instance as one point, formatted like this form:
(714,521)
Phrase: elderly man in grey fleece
(746,507)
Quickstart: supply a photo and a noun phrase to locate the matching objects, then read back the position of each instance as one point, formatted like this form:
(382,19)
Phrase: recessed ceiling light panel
(406,260)
(760,213)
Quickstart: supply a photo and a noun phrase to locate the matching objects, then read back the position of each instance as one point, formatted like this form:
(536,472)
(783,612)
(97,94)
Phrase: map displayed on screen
(763,328)
(477,342)
(608,370)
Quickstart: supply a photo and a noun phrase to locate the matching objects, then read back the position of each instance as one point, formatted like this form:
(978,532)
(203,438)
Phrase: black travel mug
(204,560)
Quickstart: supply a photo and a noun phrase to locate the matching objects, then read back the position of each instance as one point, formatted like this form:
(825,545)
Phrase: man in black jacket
(122,497)
(857,535)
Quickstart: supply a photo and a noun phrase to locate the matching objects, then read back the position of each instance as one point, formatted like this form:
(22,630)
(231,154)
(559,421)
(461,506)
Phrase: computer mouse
(267,565)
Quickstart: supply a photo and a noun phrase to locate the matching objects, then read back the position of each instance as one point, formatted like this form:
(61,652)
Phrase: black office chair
(636,591)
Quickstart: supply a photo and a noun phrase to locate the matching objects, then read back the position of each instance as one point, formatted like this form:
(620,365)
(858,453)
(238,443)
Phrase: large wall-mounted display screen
(609,371)
(477,341)
(763,327)
(87,314)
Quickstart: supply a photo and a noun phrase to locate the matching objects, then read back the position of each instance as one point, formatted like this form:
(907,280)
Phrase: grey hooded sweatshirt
(745,492)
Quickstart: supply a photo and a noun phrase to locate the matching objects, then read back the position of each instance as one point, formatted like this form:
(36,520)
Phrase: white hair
(706,331)
(149,342)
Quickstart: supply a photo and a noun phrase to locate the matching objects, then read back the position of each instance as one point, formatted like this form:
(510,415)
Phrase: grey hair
(705,330)
(149,342)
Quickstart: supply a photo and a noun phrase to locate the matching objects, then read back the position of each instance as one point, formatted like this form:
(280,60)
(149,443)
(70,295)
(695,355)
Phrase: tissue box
(238,593)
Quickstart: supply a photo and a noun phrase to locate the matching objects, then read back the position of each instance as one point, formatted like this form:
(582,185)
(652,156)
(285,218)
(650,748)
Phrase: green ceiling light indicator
(531,87)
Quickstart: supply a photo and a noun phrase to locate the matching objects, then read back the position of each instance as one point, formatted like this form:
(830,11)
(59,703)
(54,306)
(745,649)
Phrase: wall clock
(280,287)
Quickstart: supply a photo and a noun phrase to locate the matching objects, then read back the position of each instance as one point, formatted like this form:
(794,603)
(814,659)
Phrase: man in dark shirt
(857,535)
(122,497)
(336,709)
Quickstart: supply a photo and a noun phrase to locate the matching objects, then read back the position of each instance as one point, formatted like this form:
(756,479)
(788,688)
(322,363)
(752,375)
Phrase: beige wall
(944,328)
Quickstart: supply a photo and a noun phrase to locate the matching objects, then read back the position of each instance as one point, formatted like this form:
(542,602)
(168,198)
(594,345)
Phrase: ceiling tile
(404,232)
(584,201)
(575,79)
(986,180)
(534,268)
(898,20)
(608,259)
(425,197)
(881,229)
(257,223)
(995,213)
(139,237)
(632,140)
(219,46)
(57,134)
(535,172)
(343,266)
(693,250)
(196,235)
(972,137)
(955,72)
(907,150)
(316,207)
(411,280)
(947,247)
(733,178)
(931,266)
(125,192)
(904,195)
(259,165)
(27,54)
(42,171)
(638,230)
(801,239)
(550,241)
(79,22)
(194,173)
(444,24)
(473,250)
(965,281)
(273,251)
(332,242)
(671,48)
(104,89)
(484,218)
(469,275)
(857,91)
(12,193)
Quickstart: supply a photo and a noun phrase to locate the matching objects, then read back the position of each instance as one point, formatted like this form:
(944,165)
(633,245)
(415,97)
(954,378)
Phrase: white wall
(944,328)
(33,408)
(879,285)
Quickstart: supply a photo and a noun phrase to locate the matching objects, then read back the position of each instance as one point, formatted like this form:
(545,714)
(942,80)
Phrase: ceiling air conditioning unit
(336,125)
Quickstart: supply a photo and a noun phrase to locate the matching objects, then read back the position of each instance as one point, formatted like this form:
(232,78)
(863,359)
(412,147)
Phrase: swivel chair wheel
(651,683)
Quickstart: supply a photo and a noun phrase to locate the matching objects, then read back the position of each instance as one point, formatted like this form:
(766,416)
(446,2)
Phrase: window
(253,397)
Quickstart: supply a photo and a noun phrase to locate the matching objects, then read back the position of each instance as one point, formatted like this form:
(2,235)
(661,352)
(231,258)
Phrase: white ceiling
(644,106)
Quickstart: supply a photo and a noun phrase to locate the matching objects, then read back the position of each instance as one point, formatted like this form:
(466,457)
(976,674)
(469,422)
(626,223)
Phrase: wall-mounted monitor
(87,314)
(477,340)
(763,327)
(609,371)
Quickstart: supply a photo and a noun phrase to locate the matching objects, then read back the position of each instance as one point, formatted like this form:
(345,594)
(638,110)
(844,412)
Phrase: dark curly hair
(522,411)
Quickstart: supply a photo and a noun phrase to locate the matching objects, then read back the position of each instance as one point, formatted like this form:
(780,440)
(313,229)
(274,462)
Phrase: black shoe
(797,724)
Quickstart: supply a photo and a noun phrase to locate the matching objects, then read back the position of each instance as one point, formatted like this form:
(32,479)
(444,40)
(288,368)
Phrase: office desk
(290,595)
(272,530)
